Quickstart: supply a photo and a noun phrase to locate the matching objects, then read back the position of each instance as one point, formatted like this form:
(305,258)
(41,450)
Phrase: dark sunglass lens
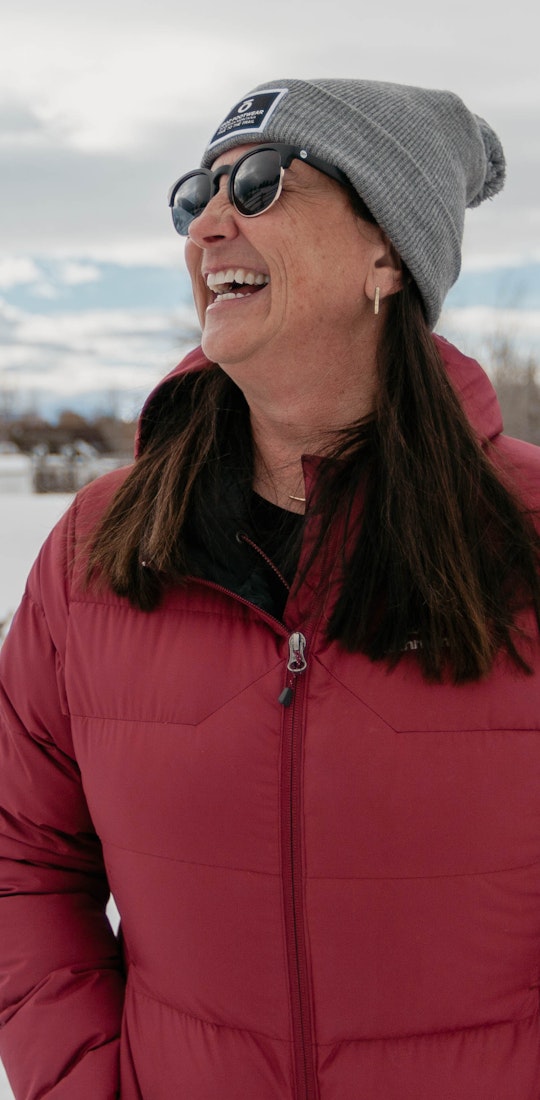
(256,181)
(189,201)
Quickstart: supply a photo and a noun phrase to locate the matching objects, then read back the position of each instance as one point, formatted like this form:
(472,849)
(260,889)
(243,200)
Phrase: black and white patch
(249,116)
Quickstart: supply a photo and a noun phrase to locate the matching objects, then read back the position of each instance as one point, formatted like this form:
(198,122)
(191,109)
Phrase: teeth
(225,278)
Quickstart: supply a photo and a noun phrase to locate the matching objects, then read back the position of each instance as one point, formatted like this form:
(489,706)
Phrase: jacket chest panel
(404,701)
(179,755)
(191,660)
(425,787)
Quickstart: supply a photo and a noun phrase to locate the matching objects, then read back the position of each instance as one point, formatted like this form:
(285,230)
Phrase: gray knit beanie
(417,158)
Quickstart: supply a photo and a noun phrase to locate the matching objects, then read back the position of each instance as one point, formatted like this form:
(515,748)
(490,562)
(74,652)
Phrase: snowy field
(26,520)
(5,1091)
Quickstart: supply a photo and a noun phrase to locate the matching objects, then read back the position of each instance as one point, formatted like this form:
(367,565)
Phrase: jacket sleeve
(61,983)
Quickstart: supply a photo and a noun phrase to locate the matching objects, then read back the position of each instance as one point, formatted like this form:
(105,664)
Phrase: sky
(103,105)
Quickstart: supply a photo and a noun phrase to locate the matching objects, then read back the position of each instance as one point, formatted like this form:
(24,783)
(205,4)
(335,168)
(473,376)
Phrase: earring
(376,301)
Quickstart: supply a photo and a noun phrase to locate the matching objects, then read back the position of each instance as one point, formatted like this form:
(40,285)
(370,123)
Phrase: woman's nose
(217,220)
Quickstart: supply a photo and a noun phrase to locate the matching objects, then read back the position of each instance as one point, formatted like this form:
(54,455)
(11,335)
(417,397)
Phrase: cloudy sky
(103,105)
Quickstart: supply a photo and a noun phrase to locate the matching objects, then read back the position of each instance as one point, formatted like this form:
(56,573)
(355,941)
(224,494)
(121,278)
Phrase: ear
(385,270)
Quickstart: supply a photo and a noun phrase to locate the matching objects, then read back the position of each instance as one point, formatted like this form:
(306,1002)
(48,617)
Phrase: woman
(276,685)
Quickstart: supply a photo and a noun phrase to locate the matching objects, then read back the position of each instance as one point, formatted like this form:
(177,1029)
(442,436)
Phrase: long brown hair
(443,557)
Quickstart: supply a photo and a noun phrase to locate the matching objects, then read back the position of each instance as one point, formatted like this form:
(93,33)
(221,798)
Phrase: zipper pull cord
(297,663)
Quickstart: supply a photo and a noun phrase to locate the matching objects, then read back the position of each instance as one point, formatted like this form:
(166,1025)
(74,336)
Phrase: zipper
(281,628)
(240,537)
(292,698)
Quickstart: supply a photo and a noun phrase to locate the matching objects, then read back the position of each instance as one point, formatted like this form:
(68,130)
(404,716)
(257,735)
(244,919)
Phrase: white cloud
(476,329)
(73,355)
(102,105)
(100,78)
(138,249)
(25,271)
(101,85)
(17,270)
(75,274)
(45,290)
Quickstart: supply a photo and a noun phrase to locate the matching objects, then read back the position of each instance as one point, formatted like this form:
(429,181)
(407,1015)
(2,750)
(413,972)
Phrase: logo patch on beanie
(249,116)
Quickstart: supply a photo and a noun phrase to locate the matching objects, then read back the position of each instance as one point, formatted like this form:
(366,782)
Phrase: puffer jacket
(328,874)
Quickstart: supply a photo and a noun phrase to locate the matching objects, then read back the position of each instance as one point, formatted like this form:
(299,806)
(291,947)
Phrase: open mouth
(235,283)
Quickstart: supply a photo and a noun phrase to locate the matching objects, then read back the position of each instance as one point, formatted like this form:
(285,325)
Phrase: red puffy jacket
(336,899)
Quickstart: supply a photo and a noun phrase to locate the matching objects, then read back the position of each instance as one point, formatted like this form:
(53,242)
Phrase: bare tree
(515,377)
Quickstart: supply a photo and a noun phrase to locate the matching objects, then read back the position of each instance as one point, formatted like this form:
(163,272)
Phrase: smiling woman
(276,684)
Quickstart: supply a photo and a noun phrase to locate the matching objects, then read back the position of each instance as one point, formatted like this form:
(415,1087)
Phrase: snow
(5,1091)
(15,472)
(26,521)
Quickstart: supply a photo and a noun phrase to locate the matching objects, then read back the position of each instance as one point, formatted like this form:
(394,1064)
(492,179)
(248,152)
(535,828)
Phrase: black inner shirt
(277,532)
(231,548)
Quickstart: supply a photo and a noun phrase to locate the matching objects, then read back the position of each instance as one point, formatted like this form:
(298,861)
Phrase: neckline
(268,505)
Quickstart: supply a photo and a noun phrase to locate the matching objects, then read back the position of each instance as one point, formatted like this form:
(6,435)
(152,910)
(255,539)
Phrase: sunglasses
(254,183)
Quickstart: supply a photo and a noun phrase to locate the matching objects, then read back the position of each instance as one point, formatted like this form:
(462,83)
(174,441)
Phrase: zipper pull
(286,697)
(297,648)
(296,663)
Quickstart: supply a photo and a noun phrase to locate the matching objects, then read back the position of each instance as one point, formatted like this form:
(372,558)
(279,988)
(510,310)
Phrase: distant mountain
(498,288)
(57,286)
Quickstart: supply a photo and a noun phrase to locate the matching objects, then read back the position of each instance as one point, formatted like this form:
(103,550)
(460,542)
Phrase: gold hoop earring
(376,300)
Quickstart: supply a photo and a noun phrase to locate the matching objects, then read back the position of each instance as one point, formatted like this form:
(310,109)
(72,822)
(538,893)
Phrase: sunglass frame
(287,153)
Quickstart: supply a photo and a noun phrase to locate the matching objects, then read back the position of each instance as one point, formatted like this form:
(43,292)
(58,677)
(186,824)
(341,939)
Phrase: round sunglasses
(254,183)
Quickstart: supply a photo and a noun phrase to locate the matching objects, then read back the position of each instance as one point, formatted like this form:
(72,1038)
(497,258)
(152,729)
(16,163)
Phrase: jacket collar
(474,388)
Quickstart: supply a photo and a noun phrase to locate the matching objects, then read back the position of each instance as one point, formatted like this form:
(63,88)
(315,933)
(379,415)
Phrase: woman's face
(304,266)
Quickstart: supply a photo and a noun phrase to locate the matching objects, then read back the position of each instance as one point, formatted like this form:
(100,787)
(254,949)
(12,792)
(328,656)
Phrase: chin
(224,348)
(218,351)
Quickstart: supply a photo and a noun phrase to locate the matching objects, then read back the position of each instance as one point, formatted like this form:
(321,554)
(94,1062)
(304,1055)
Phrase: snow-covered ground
(5,1091)
(26,519)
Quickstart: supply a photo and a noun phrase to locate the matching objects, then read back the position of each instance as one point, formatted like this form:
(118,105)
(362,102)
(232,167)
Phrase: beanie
(416,156)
